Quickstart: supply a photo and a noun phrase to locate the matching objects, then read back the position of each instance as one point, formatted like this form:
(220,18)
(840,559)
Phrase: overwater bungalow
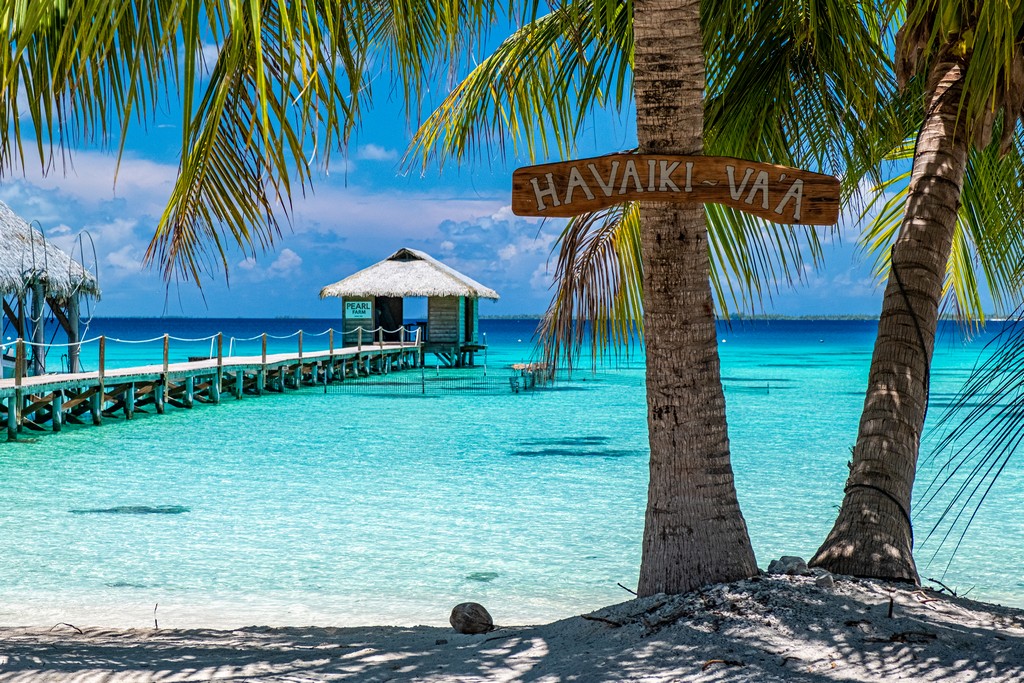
(374,300)
(38,282)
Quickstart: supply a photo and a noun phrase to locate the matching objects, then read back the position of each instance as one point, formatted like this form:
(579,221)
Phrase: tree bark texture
(694,533)
(872,535)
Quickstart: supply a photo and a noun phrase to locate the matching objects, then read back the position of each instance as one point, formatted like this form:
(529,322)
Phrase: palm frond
(597,293)
(983,428)
(537,88)
(988,245)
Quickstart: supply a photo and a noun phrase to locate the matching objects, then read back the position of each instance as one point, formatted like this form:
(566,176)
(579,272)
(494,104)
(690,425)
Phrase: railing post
(100,397)
(215,384)
(19,361)
(329,370)
(103,357)
(359,338)
(261,381)
(300,346)
(166,390)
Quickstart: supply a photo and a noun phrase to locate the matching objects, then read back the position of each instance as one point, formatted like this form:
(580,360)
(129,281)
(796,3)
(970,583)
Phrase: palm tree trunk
(694,533)
(872,536)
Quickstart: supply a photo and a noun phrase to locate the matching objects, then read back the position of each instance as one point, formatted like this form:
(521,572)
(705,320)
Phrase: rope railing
(216,344)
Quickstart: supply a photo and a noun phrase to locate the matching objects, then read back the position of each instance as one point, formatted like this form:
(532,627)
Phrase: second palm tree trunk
(872,535)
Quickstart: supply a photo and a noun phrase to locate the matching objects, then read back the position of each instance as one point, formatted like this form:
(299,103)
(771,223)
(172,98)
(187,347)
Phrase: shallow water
(357,506)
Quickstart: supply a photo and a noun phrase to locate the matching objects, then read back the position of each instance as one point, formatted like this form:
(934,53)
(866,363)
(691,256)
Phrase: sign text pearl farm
(776,193)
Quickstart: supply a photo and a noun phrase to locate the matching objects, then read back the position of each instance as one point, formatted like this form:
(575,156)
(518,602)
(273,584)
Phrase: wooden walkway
(47,402)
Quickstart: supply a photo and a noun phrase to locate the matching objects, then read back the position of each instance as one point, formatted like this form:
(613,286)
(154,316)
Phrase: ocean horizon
(370,504)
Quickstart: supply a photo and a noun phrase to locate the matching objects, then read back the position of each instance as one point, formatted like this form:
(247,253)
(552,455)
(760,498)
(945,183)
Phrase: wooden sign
(776,193)
(358,310)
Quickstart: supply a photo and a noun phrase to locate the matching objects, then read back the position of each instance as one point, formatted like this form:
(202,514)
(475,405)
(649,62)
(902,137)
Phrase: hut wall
(354,317)
(444,319)
(472,320)
(462,320)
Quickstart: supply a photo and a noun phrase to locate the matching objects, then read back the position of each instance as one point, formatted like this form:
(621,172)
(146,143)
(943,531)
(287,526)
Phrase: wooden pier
(47,402)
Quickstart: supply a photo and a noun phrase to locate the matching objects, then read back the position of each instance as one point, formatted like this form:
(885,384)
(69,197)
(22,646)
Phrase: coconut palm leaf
(289,84)
(779,74)
(983,428)
(988,245)
(536,90)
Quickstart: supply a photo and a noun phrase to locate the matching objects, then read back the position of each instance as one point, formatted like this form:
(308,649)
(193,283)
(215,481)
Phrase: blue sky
(363,209)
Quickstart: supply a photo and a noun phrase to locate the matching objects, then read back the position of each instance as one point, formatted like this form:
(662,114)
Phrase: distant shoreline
(525,316)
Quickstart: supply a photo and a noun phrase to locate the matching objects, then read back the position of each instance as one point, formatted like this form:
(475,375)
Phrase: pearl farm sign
(776,193)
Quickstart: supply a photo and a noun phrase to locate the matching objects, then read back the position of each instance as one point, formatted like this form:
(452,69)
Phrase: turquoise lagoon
(359,507)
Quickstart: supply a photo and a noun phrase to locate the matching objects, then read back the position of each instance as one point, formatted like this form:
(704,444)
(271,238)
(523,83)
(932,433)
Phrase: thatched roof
(27,258)
(408,272)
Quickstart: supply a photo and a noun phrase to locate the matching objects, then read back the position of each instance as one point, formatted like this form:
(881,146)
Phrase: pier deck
(47,402)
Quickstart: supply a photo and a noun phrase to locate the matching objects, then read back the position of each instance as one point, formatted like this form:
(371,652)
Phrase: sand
(765,629)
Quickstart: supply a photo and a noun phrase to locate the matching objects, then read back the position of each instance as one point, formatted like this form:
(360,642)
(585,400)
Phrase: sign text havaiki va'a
(775,193)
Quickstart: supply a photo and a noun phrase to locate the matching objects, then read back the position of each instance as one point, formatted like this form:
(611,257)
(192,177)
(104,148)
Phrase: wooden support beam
(96,406)
(129,401)
(38,331)
(190,391)
(57,416)
(12,416)
(74,336)
(80,398)
(160,396)
(14,318)
(239,383)
(214,387)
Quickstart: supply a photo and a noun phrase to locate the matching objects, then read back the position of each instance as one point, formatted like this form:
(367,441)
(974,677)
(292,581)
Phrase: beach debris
(471,617)
(610,622)
(789,565)
(824,580)
(727,662)
(134,510)
(64,623)
(628,590)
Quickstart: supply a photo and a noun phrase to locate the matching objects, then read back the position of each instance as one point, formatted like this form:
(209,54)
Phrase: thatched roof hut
(374,300)
(28,259)
(408,273)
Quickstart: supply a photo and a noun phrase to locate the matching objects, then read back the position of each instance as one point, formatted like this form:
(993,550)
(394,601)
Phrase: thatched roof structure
(408,272)
(27,258)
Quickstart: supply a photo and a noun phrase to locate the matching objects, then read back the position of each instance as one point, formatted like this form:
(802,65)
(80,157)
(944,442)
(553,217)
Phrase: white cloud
(372,152)
(126,259)
(286,262)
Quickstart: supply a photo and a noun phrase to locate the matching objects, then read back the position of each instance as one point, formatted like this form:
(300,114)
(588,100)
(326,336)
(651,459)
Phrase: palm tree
(287,87)
(777,78)
(600,264)
(968,56)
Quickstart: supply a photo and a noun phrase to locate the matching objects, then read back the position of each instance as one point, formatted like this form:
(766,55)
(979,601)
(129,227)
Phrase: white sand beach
(766,629)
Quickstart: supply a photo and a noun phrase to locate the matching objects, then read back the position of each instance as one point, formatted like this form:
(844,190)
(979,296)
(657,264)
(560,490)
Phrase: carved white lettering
(550,192)
(576,180)
(630,172)
(760,185)
(651,164)
(796,192)
(689,176)
(610,186)
(666,176)
(731,172)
